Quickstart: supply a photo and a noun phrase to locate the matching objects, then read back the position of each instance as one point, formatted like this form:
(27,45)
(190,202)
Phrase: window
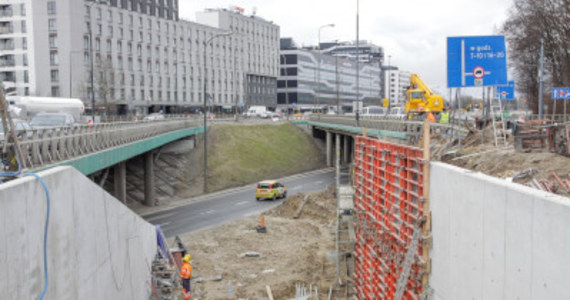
(23,25)
(87,11)
(98,13)
(120,18)
(24,43)
(97,44)
(120,62)
(51,9)
(53,58)
(54,75)
(23,9)
(25,59)
(99,29)
(110,15)
(55,91)
(110,29)
(109,46)
(26,76)
(52,25)
(53,41)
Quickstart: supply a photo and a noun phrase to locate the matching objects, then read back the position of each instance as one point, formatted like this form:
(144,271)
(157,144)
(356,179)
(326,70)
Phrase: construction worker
(186,274)
(430,117)
(444,118)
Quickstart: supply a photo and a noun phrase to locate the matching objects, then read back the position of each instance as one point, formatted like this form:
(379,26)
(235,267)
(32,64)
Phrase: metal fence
(47,146)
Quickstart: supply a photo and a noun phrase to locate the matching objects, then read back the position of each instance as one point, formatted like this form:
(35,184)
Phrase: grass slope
(244,154)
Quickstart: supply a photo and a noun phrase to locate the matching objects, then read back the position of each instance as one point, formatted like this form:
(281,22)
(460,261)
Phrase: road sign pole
(540,80)
(462,62)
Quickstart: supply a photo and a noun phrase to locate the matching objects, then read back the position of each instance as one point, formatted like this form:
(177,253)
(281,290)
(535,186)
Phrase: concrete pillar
(337,150)
(121,181)
(329,149)
(346,150)
(149,179)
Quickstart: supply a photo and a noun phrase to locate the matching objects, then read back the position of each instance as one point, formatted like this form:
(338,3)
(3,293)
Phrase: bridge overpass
(93,148)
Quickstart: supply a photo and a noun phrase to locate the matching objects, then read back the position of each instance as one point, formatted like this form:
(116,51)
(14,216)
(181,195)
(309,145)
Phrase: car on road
(154,117)
(22,128)
(270,189)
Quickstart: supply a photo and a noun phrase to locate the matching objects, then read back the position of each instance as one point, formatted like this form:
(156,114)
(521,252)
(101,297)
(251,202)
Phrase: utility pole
(286,85)
(357,61)
(92,85)
(540,79)
(337,85)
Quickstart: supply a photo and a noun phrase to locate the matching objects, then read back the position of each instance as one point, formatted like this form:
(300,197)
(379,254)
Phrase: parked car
(373,111)
(52,120)
(21,127)
(154,117)
(270,189)
(396,113)
(256,111)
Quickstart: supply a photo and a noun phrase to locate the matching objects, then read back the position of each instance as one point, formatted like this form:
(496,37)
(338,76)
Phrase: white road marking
(241,203)
(164,224)
(211,211)
(319,182)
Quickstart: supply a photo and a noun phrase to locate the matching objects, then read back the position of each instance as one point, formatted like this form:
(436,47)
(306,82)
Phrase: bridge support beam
(346,150)
(149,178)
(329,149)
(121,181)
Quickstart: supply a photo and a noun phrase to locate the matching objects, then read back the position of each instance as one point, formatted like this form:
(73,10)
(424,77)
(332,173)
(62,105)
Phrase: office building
(314,78)
(141,55)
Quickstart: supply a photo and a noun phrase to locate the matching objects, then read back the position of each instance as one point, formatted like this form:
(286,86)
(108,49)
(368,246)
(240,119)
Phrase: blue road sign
(476,61)
(561,93)
(506,92)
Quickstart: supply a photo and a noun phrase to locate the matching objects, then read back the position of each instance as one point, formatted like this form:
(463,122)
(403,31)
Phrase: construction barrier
(388,181)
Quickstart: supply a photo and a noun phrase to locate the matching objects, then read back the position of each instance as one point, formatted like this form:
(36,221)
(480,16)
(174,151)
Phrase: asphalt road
(234,204)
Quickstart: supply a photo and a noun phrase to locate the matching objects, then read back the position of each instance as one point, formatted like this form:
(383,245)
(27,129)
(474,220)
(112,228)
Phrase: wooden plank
(426,209)
(269,294)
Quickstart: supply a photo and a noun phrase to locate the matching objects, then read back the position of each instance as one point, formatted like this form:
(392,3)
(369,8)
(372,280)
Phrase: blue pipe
(45,232)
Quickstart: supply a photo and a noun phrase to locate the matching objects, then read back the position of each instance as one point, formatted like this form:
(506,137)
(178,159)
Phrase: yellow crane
(420,98)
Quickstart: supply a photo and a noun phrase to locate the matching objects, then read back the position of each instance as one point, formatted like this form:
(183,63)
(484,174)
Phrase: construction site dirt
(234,261)
(533,168)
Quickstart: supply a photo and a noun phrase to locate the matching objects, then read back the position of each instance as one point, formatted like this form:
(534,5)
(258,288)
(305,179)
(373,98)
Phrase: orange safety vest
(430,117)
(186,271)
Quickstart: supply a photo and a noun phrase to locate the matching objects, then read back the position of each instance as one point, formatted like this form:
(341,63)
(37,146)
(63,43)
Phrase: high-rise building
(141,55)
(395,85)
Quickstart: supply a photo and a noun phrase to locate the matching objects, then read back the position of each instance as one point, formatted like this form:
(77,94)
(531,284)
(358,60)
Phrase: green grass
(244,154)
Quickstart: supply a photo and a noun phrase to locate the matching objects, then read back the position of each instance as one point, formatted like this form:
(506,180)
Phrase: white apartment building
(395,85)
(140,54)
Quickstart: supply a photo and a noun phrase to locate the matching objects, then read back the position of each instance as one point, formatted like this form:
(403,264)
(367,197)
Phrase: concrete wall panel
(97,248)
(496,240)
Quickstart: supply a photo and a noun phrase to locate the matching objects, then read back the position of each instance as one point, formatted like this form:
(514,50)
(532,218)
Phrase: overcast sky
(413,32)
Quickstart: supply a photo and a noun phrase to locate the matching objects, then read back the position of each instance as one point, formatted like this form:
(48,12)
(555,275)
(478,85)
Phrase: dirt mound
(292,251)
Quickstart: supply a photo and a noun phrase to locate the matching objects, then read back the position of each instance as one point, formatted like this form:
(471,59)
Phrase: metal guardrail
(411,128)
(48,146)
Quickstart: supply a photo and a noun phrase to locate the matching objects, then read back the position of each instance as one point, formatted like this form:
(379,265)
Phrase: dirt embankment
(292,251)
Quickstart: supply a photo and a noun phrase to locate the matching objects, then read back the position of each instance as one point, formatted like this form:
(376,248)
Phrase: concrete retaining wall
(97,248)
(496,240)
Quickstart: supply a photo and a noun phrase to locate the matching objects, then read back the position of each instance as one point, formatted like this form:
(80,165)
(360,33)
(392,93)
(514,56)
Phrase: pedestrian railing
(47,146)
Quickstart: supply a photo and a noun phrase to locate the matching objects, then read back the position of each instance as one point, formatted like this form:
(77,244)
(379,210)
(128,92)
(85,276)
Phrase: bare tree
(530,22)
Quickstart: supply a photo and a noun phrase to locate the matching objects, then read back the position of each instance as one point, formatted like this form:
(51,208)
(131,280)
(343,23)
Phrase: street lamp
(92,85)
(319,65)
(389,82)
(205,105)
(357,115)
(286,85)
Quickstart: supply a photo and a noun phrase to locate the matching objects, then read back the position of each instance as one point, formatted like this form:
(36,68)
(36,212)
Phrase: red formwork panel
(388,182)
